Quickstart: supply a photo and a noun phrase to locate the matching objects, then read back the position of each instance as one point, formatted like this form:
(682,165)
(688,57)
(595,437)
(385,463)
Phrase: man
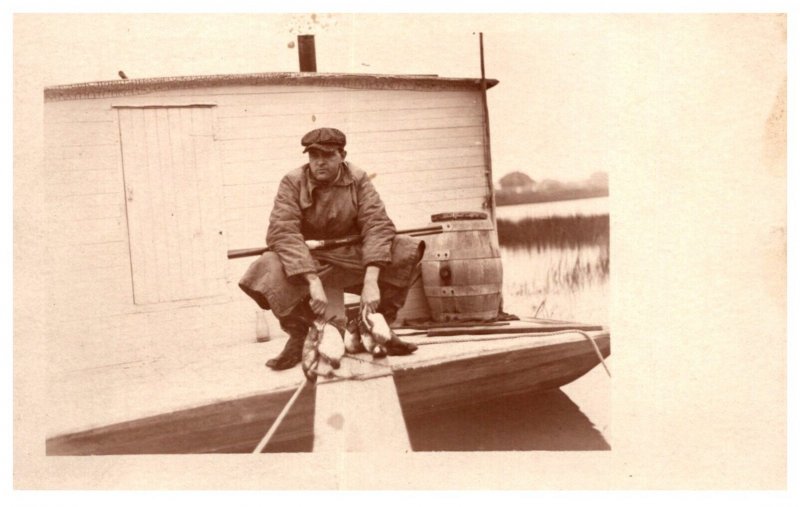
(329,198)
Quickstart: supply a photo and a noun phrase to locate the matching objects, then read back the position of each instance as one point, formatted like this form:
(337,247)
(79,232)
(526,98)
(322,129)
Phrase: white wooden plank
(85,232)
(426,176)
(67,178)
(252,126)
(293,129)
(86,153)
(359,416)
(365,139)
(204,196)
(89,299)
(170,267)
(70,280)
(189,201)
(424,196)
(148,212)
(74,201)
(412,167)
(78,258)
(183,283)
(248,196)
(134,155)
(210,185)
(254,172)
(342,101)
(70,210)
(79,111)
(400,190)
(82,133)
(412,146)
(85,188)
(401,157)
(94,165)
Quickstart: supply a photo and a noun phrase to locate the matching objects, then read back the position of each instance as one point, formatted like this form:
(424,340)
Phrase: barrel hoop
(465,317)
(467,225)
(462,256)
(449,291)
(459,215)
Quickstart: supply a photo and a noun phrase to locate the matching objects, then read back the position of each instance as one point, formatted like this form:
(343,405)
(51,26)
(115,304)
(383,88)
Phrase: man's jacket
(348,206)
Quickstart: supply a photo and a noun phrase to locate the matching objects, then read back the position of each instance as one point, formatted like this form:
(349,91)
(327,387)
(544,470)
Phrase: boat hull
(426,382)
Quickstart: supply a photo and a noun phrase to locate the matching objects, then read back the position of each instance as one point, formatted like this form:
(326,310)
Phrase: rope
(554,333)
(272,429)
(334,376)
(596,349)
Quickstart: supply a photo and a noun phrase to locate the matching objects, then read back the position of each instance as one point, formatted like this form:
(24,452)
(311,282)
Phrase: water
(591,206)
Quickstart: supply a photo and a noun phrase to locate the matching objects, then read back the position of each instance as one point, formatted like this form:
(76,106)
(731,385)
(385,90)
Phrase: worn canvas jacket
(304,210)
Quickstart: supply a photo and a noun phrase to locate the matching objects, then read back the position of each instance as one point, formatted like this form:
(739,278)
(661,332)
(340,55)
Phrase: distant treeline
(559,232)
(507,198)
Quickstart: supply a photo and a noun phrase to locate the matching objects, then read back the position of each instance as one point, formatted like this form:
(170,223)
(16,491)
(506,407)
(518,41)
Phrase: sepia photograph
(397,238)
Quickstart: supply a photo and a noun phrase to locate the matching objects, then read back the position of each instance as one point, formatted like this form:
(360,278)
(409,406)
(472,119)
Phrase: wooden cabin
(150,181)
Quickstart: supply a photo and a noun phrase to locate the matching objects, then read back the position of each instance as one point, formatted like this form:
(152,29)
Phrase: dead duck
(331,345)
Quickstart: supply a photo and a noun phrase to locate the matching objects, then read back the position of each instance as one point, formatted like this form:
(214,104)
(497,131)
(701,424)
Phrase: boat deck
(222,398)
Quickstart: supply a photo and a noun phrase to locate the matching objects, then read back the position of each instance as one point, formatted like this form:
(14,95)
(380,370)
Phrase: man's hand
(318,302)
(370,293)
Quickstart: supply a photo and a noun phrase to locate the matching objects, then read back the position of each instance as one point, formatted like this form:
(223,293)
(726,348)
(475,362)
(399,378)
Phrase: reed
(556,267)
(554,232)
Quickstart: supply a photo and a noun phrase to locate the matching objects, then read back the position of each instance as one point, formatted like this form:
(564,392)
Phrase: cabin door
(173,203)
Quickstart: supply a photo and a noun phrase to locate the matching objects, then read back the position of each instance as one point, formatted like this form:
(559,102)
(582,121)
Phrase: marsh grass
(554,232)
(556,267)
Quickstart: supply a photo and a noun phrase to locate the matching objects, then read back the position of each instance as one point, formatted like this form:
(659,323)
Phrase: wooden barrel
(461,271)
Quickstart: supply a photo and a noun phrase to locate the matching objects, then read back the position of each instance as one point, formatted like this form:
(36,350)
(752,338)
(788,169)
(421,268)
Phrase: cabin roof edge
(122,87)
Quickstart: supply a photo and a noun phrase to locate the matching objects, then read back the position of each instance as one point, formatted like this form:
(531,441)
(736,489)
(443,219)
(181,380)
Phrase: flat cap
(325,139)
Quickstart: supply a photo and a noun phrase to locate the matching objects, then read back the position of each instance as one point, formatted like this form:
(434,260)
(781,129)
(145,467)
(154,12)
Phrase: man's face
(324,165)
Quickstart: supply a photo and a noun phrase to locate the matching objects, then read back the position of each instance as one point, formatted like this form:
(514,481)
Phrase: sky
(550,67)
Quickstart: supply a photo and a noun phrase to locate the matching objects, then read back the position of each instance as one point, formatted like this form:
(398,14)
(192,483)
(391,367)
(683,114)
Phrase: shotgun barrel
(316,244)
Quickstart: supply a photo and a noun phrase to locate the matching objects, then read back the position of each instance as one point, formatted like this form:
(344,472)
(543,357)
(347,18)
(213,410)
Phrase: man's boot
(292,352)
(297,324)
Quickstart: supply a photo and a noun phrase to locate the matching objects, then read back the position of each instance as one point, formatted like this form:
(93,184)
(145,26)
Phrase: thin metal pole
(487,137)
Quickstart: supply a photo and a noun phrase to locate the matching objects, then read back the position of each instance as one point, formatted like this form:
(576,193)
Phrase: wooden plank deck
(360,415)
(223,399)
